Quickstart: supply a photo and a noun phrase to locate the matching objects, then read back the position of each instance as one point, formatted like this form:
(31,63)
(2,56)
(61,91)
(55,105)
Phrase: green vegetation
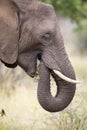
(76,10)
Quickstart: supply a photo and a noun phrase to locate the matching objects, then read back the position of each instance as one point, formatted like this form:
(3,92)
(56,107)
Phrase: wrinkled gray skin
(29,31)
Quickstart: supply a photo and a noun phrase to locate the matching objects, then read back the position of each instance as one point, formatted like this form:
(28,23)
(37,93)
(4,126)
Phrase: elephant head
(29,30)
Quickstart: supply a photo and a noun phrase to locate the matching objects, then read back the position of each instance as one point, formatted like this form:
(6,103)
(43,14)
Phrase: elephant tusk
(66,78)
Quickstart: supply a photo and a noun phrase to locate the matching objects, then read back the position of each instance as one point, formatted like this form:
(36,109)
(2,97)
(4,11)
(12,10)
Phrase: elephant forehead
(41,16)
(40,10)
(45,26)
(46,9)
(40,25)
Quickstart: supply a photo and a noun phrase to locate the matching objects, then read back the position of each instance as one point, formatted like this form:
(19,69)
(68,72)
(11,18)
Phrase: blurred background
(18,92)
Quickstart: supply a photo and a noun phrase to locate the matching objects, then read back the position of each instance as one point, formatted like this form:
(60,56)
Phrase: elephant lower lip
(32,75)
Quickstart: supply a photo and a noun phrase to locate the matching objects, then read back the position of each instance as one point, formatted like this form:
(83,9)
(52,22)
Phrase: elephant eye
(47,38)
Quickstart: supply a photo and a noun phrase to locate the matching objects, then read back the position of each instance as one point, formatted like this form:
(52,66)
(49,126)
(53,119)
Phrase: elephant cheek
(28,65)
(32,71)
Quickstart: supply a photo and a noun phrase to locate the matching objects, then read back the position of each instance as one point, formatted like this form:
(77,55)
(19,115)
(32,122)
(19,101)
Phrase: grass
(23,111)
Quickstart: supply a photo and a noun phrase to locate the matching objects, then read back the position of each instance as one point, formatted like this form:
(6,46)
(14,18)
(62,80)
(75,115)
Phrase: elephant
(29,31)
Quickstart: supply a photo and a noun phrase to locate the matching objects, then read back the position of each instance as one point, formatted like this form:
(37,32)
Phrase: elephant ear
(8,32)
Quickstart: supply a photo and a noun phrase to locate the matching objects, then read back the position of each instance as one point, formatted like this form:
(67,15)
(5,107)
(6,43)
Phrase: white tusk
(66,78)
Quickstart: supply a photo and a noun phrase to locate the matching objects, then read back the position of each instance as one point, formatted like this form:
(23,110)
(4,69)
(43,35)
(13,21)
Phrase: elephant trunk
(65,91)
